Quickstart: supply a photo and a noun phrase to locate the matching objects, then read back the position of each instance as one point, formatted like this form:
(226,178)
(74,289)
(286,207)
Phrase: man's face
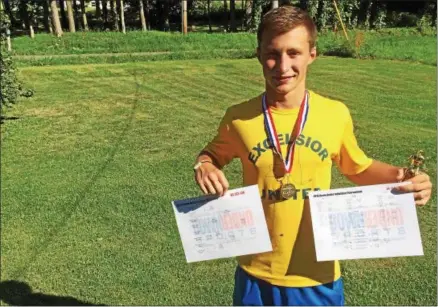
(285,58)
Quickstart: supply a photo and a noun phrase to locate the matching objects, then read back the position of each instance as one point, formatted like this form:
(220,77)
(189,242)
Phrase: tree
(28,10)
(10,87)
(142,18)
(55,18)
(7,8)
(46,17)
(114,15)
(98,12)
(64,21)
(225,15)
(71,18)
(233,27)
(122,16)
(84,15)
(248,15)
(256,15)
(209,15)
(105,12)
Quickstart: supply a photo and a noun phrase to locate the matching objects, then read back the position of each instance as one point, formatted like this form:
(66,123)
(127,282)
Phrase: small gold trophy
(416,164)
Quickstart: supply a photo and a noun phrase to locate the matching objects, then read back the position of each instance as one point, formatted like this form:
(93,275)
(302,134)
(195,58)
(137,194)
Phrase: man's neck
(291,100)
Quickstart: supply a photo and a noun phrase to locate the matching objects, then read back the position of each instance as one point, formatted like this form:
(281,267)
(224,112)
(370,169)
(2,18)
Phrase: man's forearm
(377,173)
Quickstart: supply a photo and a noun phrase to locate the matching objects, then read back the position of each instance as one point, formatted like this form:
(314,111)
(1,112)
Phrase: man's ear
(312,55)
(259,55)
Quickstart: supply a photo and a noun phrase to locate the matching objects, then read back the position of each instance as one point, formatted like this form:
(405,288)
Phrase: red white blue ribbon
(298,128)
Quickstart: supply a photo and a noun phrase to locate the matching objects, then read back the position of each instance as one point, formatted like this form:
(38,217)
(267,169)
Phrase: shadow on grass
(18,293)
(340,52)
(4,118)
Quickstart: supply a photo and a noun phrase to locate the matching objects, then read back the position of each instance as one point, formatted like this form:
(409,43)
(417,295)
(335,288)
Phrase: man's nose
(284,64)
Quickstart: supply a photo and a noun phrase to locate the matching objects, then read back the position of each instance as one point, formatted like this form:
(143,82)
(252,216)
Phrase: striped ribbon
(298,128)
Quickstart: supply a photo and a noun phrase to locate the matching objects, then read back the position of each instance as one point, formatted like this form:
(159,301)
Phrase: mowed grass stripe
(120,245)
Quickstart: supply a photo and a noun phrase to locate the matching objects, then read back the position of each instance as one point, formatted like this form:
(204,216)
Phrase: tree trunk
(248,14)
(256,15)
(55,18)
(225,16)
(71,18)
(164,16)
(97,13)
(274,4)
(233,27)
(122,16)
(146,13)
(184,16)
(64,21)
(46,18)
(76,14)
(31,31)
(26,19)
(209,16)
(84,15)
(115,19)
(142,18)
(105,12)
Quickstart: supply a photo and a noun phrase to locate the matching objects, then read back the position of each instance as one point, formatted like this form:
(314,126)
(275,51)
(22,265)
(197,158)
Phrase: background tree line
(58,16)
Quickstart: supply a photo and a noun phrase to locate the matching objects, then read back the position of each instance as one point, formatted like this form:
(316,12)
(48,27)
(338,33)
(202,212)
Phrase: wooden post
(8,39)
(184,16)
(274,4)
(340,20)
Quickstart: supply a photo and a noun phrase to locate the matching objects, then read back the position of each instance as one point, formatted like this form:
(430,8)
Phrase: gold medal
(287,190)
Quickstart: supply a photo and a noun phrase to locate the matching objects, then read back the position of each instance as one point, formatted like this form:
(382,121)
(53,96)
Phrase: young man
(287,139)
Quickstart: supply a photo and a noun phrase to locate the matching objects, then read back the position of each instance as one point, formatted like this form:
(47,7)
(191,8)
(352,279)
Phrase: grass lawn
(91,166)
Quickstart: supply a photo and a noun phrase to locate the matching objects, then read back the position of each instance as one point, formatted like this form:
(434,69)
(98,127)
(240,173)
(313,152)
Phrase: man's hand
(211,180)
(421,186)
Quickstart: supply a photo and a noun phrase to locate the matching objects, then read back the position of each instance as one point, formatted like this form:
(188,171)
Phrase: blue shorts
(251,291)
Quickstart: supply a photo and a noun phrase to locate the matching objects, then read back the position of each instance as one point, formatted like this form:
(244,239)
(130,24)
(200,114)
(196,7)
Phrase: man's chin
(283,89)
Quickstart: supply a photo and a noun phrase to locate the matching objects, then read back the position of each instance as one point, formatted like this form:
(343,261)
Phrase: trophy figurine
(416,164)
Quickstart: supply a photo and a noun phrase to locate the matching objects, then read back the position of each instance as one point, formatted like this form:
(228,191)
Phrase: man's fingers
(201,183)
(218,187)
(224,182)
(209,186)
(422,197)
(415,187)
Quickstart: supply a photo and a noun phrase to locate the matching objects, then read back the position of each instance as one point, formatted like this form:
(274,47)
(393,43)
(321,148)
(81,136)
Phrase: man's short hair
(284,19)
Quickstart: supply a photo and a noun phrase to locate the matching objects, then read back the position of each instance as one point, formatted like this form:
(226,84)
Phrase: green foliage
(425,25)
(10,87)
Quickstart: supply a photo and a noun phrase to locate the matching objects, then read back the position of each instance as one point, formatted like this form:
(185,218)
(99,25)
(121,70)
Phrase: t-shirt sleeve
(351,160)
(222,148)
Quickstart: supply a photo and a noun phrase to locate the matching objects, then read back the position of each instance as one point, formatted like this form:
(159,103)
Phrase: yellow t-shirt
(327,136)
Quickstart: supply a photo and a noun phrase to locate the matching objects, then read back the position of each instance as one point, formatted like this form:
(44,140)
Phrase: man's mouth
(283,79)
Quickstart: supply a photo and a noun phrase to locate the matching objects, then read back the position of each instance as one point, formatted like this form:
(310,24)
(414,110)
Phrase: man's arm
(379,172)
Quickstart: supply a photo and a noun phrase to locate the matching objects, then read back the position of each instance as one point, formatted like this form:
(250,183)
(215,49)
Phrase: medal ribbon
(272,132)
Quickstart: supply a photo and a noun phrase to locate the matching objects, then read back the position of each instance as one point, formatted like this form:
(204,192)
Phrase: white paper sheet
(364,222)
(229,226)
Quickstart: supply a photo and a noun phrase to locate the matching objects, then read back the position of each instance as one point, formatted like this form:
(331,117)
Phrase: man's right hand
(211,180)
